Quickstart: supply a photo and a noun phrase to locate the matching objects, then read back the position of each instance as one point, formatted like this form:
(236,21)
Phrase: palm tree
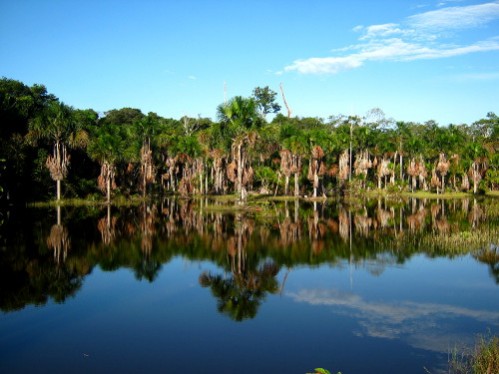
(240,170)
(239,119)
(146,129)
(239,113)
(57,124)
(107,146)
(295,141)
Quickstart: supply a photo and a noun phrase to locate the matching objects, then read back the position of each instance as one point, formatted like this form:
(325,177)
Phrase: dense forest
(51,150)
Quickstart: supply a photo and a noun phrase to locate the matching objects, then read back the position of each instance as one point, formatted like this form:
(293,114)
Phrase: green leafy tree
(19,103)
(123,116)
(58,125)
(265,100)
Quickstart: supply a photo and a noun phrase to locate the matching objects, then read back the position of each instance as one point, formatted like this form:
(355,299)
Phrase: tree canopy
(241,151)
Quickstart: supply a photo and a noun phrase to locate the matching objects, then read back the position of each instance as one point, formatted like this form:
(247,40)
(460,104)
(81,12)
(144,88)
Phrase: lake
(284,287)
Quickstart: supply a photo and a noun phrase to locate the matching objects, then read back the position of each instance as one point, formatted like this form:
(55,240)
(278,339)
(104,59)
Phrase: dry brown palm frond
(465,183)
(248,175)
(232,171)
(286,162)
(58,162)
(362,163)
(317,152)
(435,180)
(443,165)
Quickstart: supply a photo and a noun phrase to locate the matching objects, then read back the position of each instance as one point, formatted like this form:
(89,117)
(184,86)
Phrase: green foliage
(238,114)
(322,371)
(188,145)
(265,175)
(55,123)
(108,143)
(482,358)
(32,121)
(265,100)
(124,116)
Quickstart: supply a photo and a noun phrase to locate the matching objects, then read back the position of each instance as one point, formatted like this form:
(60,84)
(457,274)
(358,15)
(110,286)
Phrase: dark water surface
(181,286)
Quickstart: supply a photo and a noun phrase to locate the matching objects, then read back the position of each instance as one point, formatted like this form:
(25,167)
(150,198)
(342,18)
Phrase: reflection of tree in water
(33,277)
(240,294)
(476,214)
(490,256)
(148,267)
(344,218)
(129,241)
(37,283)
(107,227)
(147,228)
(363,223)
(440,224)
(316,232)
(59,240)
(416,220)
(182,216)
(383,216)
(144,238)
(290,227)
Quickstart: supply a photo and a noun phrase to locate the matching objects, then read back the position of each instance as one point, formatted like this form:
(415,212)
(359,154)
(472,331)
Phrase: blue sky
(415,59)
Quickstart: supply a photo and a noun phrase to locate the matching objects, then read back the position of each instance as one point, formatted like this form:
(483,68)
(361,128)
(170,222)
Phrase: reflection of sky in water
(428,303)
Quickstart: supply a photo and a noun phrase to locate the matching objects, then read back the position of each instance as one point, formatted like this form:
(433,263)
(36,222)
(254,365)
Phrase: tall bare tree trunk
(297,184)
(240,163)
(297,170)
(316,183)
(108,190)
(401,168)
(285,101)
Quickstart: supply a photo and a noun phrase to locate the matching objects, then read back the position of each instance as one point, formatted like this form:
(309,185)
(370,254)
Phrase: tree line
(48,148)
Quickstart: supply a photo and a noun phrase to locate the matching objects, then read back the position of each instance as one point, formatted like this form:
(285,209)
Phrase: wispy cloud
(417,322)
(455,18)
(445,2)
(477,77)
(418,37)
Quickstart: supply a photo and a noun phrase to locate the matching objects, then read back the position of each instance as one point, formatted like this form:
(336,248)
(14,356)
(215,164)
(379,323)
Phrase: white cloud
(192,77)
(395,49)
(452,18)
(376,31)
(416,322)
(325,65)
(445,2)
(418,37)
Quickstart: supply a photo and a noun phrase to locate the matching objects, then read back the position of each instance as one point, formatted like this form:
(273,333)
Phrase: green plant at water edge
(322,371)
(483,358)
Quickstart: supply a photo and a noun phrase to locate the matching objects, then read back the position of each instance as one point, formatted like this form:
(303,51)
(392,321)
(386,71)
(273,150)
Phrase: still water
(187,286)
